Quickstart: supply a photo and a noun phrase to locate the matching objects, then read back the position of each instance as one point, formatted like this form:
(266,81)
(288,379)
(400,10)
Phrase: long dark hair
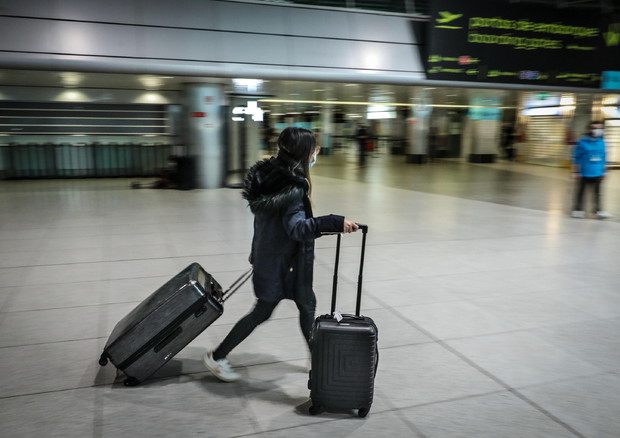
(297,144)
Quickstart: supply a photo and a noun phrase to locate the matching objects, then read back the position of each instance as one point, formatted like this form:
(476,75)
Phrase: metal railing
(94,160)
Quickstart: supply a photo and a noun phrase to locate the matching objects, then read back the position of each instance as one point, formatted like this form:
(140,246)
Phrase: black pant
(259,314)
(361,146)
(595,183)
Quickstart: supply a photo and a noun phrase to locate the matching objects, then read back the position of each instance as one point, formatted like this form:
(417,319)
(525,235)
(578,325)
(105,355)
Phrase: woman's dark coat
(284,231)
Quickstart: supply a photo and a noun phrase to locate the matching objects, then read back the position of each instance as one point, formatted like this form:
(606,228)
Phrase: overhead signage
(535,45)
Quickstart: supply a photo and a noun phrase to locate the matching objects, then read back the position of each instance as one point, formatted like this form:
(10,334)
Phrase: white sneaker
(578,214)
(603,215)
(220,368)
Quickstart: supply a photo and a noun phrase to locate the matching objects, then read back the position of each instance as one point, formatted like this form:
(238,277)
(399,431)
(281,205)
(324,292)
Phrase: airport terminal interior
(498,312)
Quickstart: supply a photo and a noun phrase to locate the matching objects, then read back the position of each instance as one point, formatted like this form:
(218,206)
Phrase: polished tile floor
(499,315)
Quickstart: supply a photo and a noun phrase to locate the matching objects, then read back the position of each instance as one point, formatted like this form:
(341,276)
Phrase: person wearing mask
(589,166)
(278,192)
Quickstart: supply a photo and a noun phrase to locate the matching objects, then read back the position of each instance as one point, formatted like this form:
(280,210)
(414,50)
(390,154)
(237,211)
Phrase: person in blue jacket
(278,192)
(589,167)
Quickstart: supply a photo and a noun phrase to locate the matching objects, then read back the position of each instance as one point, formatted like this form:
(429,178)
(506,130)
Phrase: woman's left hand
(350,226)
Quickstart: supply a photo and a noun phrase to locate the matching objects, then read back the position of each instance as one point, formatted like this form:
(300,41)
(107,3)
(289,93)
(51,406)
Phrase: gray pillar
(486,122)
(205,132)
(326,129)
(252,133)
(418,128)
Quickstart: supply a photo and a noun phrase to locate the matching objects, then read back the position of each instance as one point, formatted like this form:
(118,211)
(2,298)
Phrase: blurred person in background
(589,167)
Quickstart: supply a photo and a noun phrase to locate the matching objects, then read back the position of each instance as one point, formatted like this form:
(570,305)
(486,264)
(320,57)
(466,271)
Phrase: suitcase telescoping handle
(237,284)
(364,229)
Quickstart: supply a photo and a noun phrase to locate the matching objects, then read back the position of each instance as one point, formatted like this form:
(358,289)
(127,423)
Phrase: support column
(417,147)
(485,120)
(205,133)
(326,130)
(252,138)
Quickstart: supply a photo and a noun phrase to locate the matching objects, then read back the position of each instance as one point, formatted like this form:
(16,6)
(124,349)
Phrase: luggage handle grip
(362,227)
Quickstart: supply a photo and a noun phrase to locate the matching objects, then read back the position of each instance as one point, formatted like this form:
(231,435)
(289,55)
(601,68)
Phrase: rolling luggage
(165,322)
(344,354)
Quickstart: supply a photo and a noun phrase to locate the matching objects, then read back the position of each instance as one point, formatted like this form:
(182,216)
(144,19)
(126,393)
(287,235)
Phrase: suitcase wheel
(131,381)
(103,361)
(315,409)
(362,412)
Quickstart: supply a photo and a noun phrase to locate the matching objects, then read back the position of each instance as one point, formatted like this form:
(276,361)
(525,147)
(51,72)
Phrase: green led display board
(523,44)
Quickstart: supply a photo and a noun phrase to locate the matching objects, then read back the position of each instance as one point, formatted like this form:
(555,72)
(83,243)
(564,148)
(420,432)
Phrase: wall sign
(524,44)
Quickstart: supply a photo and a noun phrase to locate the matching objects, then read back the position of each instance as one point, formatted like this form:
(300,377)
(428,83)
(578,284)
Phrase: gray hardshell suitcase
(165,322)
(344,354)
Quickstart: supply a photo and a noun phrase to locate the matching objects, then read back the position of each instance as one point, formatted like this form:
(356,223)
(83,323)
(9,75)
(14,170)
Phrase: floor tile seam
(373,412)
(349,280)
(589,317)
(246,405)
(163,378)
(452,196)
(579,377)
(51,391)
(215,324)
(501,270)
(123,260)
(64,341)
(83,306)
(508,332)
(467,239)
(118,381)
(434,339)
(26,285)
(104,280)
(413,188)
(19,286)
(448,240)
(512,390)
(442,401)
(487,373)
(504,332)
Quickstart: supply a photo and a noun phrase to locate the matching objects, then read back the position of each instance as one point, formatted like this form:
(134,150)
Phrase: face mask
(313,162)
(597,132)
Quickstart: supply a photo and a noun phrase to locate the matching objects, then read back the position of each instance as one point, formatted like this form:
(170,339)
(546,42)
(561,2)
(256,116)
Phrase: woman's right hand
(350,226)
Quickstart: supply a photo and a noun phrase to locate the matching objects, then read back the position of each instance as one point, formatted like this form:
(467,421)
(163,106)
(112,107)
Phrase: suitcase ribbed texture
(344,362)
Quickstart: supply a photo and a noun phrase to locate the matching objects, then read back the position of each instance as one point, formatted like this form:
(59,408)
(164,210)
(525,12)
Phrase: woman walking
(278,192)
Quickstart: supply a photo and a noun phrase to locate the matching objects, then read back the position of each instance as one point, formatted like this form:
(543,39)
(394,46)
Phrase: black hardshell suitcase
(344,354)
(165,322)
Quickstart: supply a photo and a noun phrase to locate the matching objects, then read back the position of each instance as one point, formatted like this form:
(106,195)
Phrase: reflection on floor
(498,314)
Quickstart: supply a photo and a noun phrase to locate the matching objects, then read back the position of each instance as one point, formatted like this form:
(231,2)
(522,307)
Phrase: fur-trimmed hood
(270,186)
